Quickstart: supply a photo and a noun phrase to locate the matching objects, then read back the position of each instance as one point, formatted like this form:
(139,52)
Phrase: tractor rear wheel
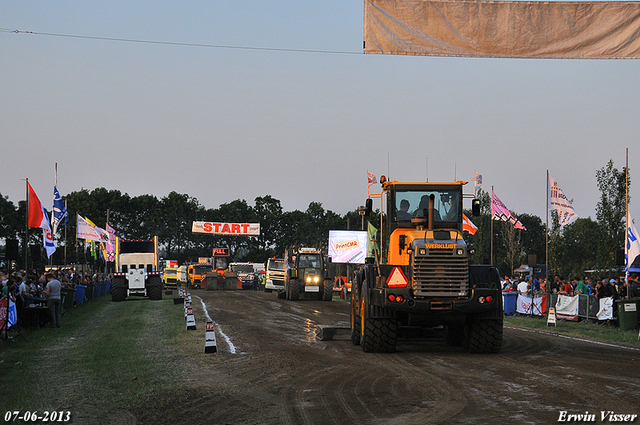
(355,320)
(378,335)
(485,336)
(327,290)
(118,289)
(154,288)
(294,289)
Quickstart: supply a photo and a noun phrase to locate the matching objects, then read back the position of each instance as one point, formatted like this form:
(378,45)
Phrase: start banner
(226,229)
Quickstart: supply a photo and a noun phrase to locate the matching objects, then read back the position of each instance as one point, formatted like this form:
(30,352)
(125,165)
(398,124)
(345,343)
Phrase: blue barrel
(510,302)
(96,290)
(103,289)
(80,293)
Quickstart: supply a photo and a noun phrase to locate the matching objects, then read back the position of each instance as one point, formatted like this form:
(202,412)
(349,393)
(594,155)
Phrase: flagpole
(26,231)
(77,259)
(65,236)
(546,248)
(491,227)
(105,260)
(626,233)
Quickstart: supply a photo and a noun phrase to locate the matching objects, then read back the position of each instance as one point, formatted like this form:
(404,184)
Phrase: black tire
(154,288)
(485,336)
(454,335)
(378,335)
(294,289)
(355,320)
(327,290)
(282,294)
(118,289)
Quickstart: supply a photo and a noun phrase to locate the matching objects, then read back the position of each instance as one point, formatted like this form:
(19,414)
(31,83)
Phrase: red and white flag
(468,226)
(371,179)
(477,179)
(38,217)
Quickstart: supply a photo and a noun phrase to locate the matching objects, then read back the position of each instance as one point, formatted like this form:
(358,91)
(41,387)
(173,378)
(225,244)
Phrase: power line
(179,44)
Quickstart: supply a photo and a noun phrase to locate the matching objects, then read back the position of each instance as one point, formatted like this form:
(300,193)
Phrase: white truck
(275,275)
(181,276)
(137,270)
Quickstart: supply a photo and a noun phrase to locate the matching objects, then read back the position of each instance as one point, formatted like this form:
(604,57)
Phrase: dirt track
(280,373)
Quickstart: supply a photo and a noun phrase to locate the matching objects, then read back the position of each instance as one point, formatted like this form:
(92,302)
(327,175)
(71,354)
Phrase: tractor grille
(440,274)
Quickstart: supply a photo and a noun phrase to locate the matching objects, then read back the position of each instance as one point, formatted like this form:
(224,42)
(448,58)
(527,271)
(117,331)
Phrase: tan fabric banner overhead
(508,29)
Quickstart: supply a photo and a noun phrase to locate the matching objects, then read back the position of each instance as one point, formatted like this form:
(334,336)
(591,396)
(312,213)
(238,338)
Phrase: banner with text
(347,246)
(567,307)
(536,306)
(226,229)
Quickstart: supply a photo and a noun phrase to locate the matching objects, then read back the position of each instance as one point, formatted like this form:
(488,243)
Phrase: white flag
(633,244)
(560,203)
(477,179)
(86,231)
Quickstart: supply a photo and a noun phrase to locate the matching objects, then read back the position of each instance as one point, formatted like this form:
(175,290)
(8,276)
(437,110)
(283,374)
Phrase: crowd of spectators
(601,288)
(24,287)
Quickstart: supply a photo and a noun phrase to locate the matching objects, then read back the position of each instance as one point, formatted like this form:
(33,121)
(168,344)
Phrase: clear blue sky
(228,123)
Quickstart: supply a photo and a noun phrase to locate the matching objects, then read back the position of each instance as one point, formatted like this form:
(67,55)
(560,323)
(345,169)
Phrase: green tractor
(309,275)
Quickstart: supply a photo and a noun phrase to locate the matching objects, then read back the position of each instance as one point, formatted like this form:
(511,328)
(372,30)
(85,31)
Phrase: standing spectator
(634,288)
(534,285)
(589,286)
(565,288)
(580,287)
(54,302)
(622,288)
(523,287)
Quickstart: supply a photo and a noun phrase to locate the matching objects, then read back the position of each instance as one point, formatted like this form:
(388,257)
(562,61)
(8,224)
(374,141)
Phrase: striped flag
(468,226)
(560,203)
(38,217)
(633,244)
(371,179)
(501,213)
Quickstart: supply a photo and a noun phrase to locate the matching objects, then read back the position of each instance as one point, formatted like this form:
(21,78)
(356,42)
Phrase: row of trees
(582,245)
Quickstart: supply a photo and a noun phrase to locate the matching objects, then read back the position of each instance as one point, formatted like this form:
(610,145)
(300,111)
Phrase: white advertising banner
(525,305)
(347,246)
(567,307)
(226,229)
(606,309)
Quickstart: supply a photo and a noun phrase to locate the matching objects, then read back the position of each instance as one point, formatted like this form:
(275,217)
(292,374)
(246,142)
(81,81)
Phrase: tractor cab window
(307,260)
(410,204)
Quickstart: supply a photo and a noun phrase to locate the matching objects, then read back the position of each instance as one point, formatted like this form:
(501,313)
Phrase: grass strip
(590,330)
(107,356)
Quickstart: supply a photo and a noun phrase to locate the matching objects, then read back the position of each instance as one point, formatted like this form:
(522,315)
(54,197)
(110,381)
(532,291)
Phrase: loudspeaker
(533,260)
(620,257)
(475,207)
(11,249)
(34,252)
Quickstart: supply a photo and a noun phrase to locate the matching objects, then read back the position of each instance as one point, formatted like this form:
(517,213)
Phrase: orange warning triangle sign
(397,278)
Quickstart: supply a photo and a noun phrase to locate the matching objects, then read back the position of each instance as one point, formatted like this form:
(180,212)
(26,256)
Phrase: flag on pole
(38,217)
(371,179)
(633,243)
(560,203)
(468,226)
(59,210)
(103,234)
(371,246)
(477,180)
(501,213)
(111,245)
(86,231)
